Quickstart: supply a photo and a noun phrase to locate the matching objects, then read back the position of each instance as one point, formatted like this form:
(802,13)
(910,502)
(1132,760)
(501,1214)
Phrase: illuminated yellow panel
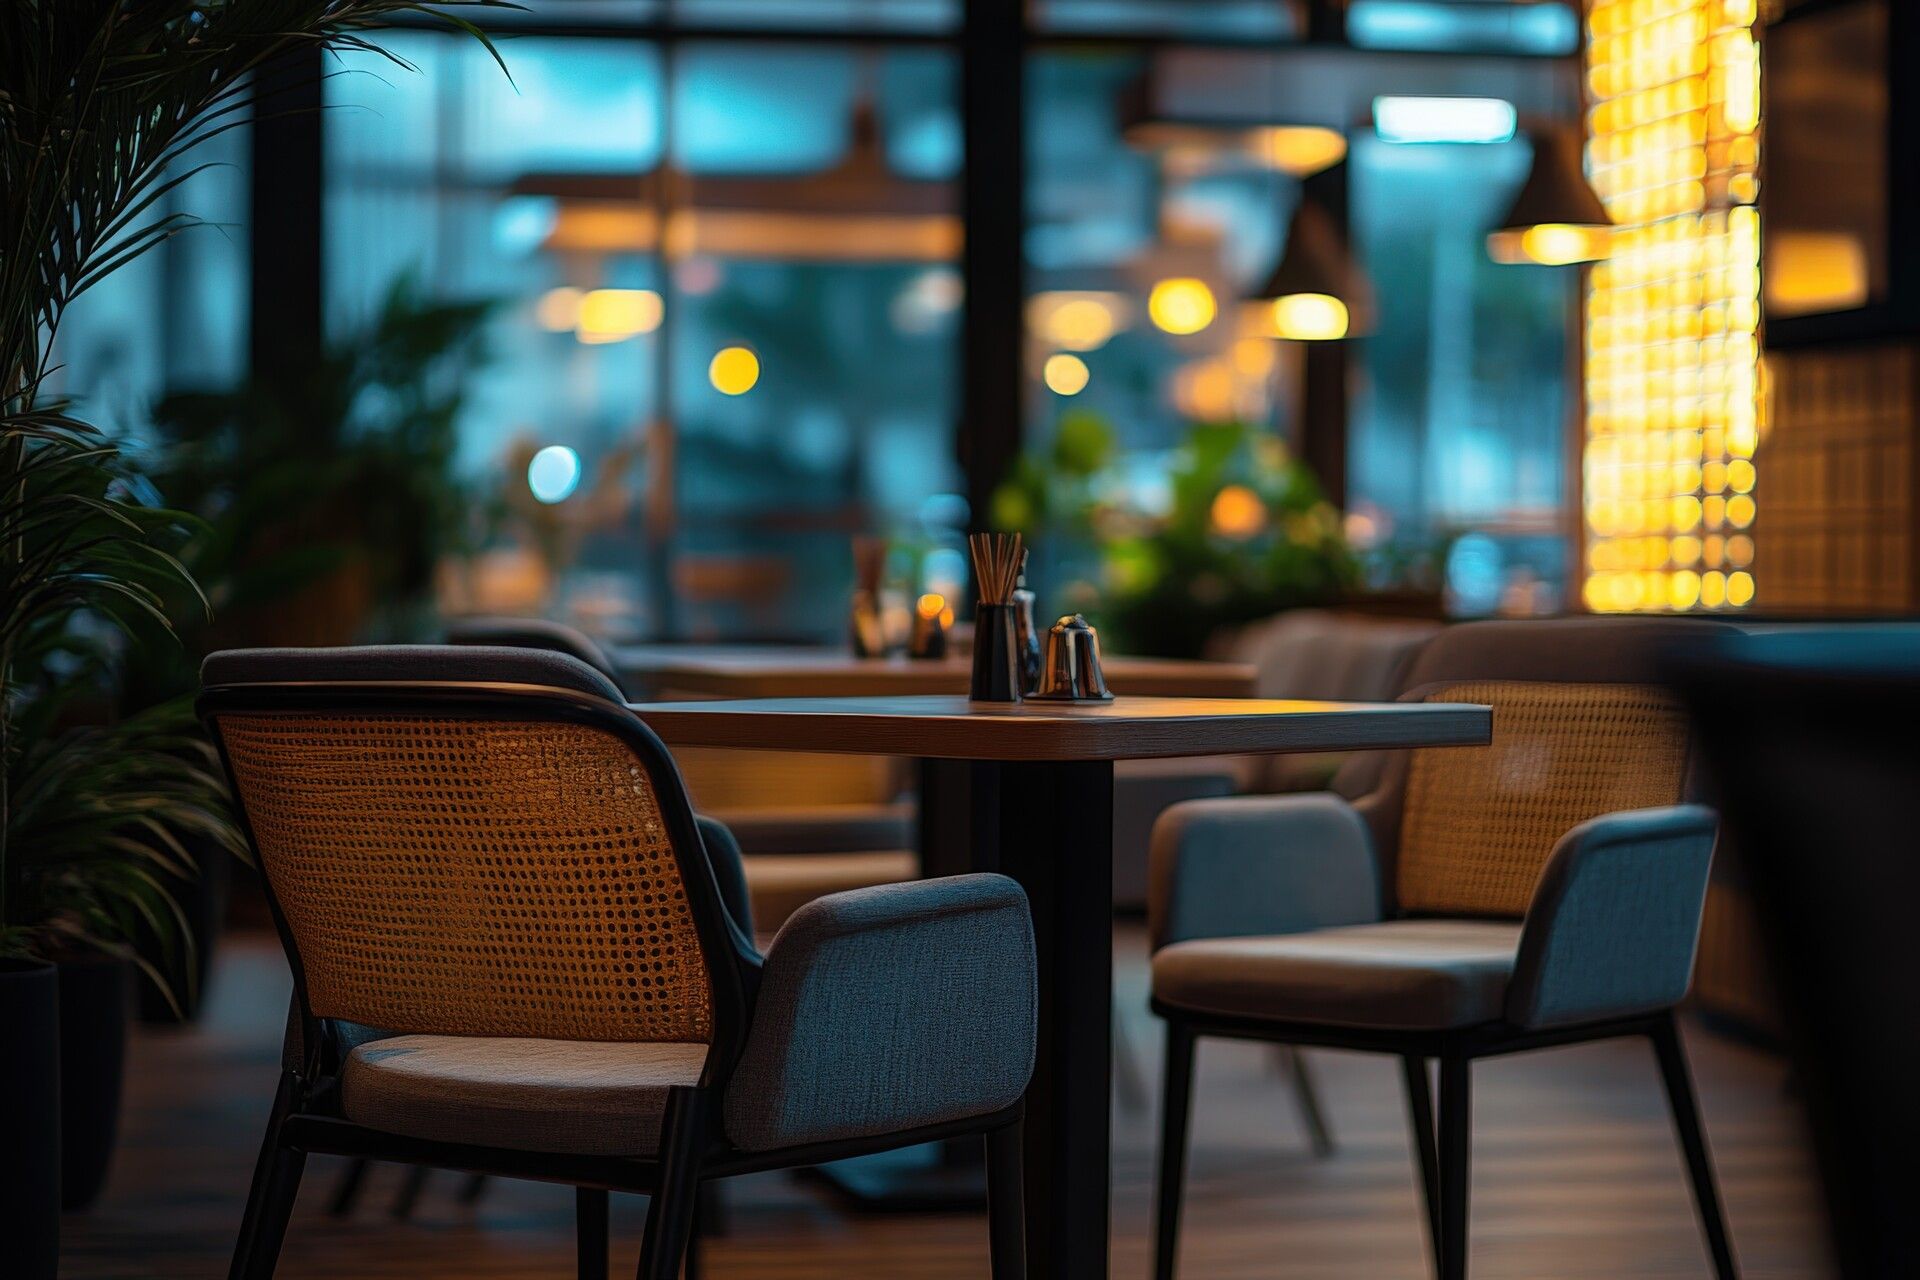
(1673,380)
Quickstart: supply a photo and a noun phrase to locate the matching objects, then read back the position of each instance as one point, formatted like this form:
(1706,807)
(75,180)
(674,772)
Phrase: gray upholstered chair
(1542,890)
(806,825)
(513,954)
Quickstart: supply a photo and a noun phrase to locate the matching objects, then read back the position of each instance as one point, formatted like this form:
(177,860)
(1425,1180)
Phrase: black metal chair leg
(1420,1118)
(346,1192)
(670,1215)
(276,1181)
(1455,1150)
(408,1195)
(1006,1204)
(590,1232)
(1693,1141)
(1175,1109)
(1307,1096)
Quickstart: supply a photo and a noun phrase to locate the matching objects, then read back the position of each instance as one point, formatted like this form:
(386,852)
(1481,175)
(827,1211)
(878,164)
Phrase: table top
(800,671)
(951,727)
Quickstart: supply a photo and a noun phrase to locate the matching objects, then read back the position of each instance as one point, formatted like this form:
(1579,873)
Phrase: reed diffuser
(997,558)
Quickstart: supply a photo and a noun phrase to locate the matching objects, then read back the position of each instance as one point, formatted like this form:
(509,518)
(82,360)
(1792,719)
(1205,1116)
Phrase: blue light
(553,474)
(1477,120)
(1539,29)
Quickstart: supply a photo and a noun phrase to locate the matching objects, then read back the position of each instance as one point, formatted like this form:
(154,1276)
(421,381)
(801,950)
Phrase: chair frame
(1443,1150)
(693,1148)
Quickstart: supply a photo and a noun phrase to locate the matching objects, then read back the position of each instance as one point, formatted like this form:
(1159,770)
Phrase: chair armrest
(1615,919)
(837,828)
(1249,865)
(887,1009)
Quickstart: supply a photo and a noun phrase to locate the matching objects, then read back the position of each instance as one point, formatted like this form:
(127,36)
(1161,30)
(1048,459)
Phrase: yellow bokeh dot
(1713,590)
(1065,375)
(733,371)
(1739,588)
(1740,476)
(1740,551)
(1181,305)
(1683,589)
(1740,511)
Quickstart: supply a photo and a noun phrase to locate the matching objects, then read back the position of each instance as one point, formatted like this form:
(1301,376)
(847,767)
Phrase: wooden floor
(1576,1175)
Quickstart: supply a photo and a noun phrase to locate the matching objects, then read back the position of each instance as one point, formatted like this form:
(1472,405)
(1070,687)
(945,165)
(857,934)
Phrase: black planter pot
(30,1119)
(93,1059)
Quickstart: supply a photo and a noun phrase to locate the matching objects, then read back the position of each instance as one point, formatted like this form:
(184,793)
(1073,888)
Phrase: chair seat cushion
(1399,974)
(569,1097)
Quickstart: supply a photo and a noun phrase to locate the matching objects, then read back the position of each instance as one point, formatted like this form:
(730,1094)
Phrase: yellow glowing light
(1081,324)
(931,605)
(1065,375)
(1300,150)
(1816,271)
(1181,305)
(733,371)
(1551,244)
(611,315)
(1310,317)
(1675,396)
(1238,512)
(558,309)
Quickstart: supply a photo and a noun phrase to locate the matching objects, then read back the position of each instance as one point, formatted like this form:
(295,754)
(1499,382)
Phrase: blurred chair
(807,824)
(1303,653)
(1543,890)
(1809,740)
(509,882)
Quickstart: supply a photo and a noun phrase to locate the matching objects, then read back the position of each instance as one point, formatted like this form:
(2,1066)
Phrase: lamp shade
(1556,219)
(1317,292)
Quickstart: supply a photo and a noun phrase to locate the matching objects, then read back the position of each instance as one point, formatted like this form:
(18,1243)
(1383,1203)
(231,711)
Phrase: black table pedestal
(1049,826)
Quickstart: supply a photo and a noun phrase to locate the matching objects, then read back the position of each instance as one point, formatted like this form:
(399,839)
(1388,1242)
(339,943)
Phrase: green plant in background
(1229,528)
(101,105)
(324,489)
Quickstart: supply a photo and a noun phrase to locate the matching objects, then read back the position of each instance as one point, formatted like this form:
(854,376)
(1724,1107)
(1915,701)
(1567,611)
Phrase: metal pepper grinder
(1070,671)
(1026,635)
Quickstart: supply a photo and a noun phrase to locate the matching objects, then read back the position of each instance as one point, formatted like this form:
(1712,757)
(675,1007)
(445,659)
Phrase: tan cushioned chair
(1543,889)
(484,855)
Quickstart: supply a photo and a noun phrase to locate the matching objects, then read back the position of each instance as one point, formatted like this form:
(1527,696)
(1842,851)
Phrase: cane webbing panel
(1480,822)
(473,877)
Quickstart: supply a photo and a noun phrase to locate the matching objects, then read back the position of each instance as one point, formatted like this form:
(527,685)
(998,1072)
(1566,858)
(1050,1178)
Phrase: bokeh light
(553,474)
(1181,305)
(734,371)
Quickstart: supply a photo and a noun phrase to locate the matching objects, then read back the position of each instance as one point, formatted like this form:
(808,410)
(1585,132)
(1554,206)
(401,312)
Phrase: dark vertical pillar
(993,209)
(1323,408)
(287,302)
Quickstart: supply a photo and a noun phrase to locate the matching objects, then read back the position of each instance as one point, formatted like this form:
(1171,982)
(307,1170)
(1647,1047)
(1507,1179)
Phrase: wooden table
(1042,801)
(798,671)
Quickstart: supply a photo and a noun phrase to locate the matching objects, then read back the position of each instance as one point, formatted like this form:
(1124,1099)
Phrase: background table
(801,671)
(1042,802)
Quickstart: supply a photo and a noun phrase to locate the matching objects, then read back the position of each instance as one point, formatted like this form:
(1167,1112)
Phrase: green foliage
(1240,532)
(101,105)
(347,459)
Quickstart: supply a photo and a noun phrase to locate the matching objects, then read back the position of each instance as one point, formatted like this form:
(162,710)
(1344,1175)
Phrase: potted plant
(1225,529)
(101,105)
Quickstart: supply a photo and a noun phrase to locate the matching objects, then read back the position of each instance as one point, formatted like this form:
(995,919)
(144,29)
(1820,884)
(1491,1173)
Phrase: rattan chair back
(1479,823)
(1581,727)
(484,859)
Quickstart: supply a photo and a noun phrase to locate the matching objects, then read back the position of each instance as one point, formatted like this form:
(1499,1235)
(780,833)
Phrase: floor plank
(1576,1174)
